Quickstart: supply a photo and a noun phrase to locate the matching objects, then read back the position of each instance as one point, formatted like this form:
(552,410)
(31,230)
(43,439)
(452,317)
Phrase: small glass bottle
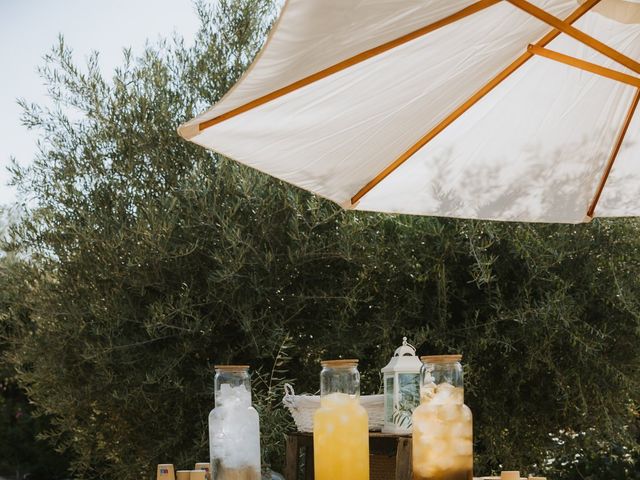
(340,425)
(442,424)
(234,427)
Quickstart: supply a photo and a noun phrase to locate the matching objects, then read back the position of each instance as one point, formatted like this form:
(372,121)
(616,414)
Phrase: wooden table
(390,456)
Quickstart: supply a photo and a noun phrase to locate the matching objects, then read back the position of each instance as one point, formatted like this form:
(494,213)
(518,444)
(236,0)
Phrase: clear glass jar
(340,425)
(234,426)
(442,424)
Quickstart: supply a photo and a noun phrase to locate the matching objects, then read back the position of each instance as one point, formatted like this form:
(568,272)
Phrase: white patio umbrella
(494,109)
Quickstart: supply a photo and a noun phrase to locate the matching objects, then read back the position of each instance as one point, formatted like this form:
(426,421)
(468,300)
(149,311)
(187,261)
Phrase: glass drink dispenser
(340,425)
(234,427)
(442,424)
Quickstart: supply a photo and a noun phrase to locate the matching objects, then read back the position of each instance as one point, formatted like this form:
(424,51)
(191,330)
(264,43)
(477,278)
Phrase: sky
(28,30)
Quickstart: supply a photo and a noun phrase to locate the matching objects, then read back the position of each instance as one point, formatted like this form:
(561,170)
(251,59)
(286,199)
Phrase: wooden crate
(390,457)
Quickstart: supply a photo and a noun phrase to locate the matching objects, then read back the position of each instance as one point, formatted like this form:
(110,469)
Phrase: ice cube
(429,385)
(462,447)
(449,412)
(419,425)
(437,431)
(461,429)
(443,394)
(335,400)
(234,429)
(242,432)
(226,391)
(445,459)
(216,435)
(424,469)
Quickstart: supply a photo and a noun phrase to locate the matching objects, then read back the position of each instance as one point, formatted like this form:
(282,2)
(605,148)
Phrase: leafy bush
(147,260)
(584,456)
(21,451)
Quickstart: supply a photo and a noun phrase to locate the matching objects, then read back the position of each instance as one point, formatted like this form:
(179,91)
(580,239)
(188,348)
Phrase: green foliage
(21,451)
(274,419)
(585,456)
(145,260)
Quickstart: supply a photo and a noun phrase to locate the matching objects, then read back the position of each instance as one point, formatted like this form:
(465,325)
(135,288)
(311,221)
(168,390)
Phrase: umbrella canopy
(518,110)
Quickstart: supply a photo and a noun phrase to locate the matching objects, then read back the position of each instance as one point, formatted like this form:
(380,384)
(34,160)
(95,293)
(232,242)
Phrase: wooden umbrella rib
(579,35)
(351,61)
(475,98)
(614,154)
(586,66)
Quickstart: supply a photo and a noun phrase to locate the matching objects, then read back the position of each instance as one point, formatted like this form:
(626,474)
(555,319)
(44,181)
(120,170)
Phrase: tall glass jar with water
(442,424)
(340,425)
(234,426)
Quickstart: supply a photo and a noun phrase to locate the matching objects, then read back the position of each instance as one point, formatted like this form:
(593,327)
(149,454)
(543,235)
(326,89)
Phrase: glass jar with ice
(442,424)
(234,427)
(340,425)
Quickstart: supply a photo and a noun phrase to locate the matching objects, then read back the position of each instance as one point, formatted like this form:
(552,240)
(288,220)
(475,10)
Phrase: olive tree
(147,260)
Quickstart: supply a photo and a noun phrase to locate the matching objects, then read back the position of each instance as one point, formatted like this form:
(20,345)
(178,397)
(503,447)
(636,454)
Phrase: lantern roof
(404,359)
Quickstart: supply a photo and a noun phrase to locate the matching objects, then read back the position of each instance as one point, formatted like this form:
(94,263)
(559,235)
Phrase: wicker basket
(302,408)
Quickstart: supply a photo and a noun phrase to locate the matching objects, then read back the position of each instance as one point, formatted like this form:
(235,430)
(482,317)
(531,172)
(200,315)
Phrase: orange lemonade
(341,439)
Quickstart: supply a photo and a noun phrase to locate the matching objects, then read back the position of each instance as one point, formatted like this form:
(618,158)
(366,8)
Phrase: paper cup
(183,475)
(165,472)
(510,475)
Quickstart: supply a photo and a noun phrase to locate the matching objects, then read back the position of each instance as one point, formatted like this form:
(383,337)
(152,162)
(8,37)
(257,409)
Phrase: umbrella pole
(614,154)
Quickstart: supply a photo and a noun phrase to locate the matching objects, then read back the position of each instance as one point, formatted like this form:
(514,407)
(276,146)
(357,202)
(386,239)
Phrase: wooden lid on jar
(441,358)
(231,368)
(339,363)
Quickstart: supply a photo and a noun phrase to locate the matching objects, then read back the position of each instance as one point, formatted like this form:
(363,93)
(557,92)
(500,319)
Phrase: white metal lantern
(401,389)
